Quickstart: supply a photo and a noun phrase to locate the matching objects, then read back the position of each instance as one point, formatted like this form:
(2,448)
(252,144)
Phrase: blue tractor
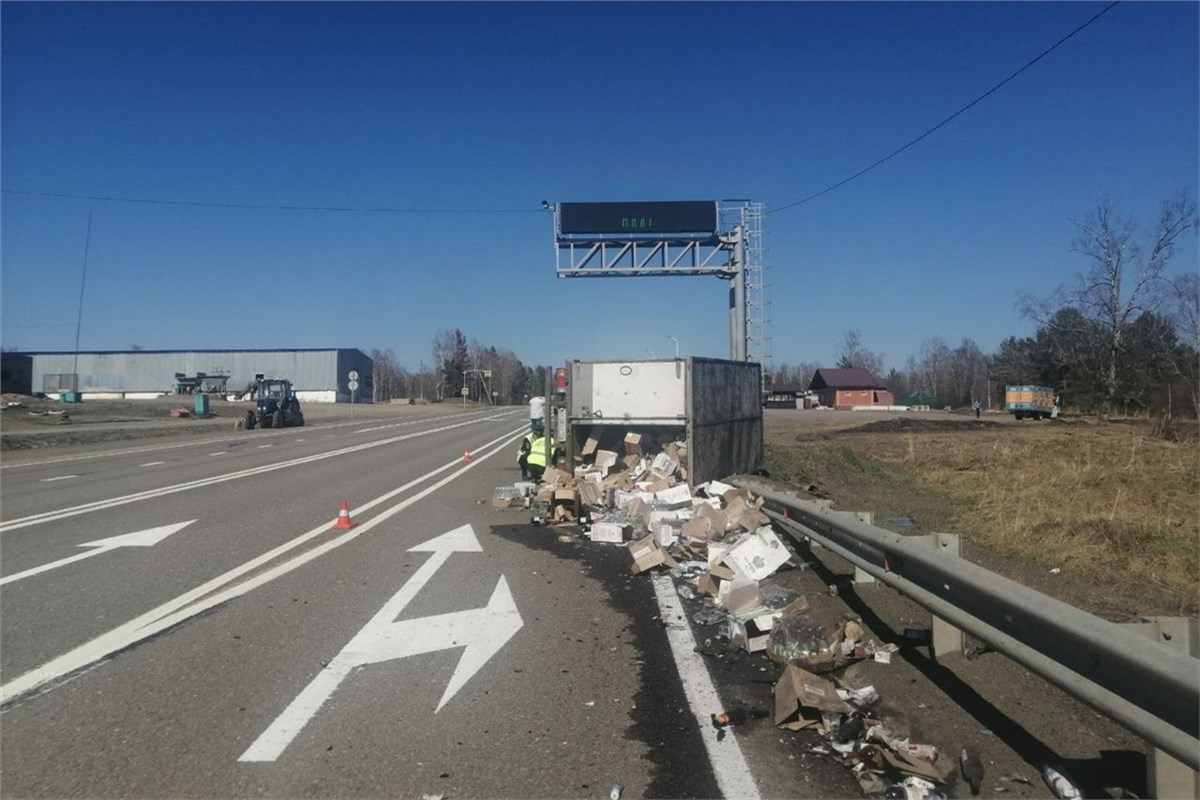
(275,405)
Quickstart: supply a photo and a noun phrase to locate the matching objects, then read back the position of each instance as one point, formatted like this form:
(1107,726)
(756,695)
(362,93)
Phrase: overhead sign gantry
(681,237)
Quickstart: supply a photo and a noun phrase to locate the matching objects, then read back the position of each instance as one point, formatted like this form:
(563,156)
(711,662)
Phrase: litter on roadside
(721,552)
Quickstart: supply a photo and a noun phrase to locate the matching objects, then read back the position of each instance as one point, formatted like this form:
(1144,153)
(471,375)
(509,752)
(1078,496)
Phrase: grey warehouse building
(317,375)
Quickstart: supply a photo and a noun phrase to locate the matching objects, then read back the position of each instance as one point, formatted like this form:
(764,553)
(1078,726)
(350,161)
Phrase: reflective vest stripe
(537,451)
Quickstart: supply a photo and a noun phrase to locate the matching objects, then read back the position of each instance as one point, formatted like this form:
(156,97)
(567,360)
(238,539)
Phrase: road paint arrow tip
(460,540)
(146,538)
(503,622)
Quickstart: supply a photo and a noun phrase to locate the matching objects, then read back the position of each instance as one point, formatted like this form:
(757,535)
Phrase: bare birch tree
(1123,280)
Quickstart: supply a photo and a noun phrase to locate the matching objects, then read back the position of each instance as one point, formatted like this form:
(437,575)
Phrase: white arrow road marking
(211,594)
(481,631)
(146,538)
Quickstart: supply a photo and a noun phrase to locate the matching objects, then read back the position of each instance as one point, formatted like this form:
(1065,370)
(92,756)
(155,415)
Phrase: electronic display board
(681,216)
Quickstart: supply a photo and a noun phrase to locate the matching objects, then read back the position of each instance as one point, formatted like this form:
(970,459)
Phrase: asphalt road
(439,647)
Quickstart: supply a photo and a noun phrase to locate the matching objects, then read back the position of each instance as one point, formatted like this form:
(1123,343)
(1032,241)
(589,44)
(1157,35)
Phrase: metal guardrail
(1143,684)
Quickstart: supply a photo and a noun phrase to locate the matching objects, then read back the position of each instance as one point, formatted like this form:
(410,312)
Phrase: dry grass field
(1115,504)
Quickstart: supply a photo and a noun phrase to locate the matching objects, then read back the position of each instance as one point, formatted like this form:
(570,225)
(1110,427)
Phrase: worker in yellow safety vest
(532,458)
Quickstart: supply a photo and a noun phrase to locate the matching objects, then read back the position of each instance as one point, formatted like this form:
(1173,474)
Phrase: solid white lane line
(48,516)
(201,443)
(189,604)
(728,763)
(59,478)
(152,464)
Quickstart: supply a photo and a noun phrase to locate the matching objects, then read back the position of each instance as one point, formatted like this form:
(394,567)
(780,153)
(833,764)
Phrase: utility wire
(948,119)
(366,209)
(395,210)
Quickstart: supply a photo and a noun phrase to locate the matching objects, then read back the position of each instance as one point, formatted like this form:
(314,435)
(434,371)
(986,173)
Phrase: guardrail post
(1167,776)
(947,638)
(861,576)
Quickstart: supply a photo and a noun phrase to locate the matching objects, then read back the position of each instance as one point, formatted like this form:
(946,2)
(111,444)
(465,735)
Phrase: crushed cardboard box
(749,630)
(647,553)
(800,697)
(710,581)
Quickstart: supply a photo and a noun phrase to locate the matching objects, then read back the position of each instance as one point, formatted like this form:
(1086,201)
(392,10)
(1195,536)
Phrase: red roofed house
(846,388)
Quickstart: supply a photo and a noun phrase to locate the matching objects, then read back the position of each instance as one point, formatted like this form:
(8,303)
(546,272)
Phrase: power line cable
(398,210)
(948,119)
(260,207)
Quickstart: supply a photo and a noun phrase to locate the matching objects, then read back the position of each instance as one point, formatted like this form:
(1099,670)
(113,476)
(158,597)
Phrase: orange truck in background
(1030,402)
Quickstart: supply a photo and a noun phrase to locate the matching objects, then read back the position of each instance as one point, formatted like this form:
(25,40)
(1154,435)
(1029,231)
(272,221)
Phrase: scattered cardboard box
(738,596)
(605,459)
(710,581)
(665,533)
(675,497)
(912,765)
(699,530)
(647,553)
(656,485)
(662,515)
(507,497)
(750,631)
(589,447)
(716,518)
(664,465)
(758,554)
(633,444)
(590,493)
(617,480)
(800,697)
(717,488)
(610,532)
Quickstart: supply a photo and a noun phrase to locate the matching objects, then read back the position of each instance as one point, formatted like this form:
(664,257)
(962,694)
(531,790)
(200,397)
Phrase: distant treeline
(459,363)
(1123,338)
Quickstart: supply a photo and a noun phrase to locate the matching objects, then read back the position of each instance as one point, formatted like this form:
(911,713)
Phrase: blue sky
(496,107)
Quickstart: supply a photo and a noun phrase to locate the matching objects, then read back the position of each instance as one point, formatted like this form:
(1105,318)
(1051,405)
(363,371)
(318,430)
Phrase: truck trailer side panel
(715,405)
(726,431)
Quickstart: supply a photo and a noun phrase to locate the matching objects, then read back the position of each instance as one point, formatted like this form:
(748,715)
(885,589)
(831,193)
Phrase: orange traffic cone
(344,522)
(466,456)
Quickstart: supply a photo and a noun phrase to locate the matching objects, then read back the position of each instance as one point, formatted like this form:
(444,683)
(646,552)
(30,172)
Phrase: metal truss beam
(616,258)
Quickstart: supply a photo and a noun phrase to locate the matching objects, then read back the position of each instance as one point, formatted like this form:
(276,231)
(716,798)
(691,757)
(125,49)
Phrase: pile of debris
(720,547)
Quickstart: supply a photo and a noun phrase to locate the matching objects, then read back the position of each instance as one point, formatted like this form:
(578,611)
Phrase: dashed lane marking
(59,478)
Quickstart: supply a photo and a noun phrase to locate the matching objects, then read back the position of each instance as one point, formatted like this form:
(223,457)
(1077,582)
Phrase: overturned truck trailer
(715,406)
